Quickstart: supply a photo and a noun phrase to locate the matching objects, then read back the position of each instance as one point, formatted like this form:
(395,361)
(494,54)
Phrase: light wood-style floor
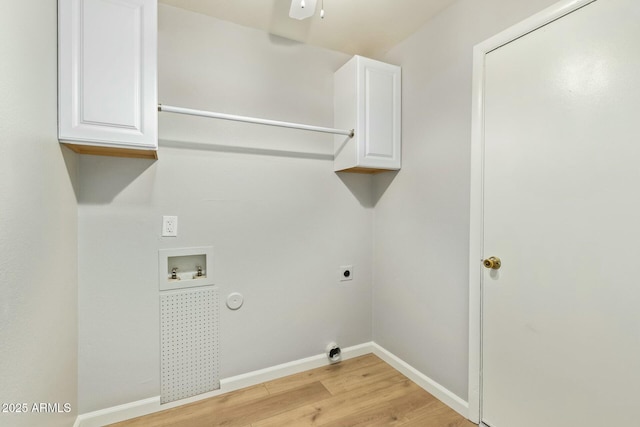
(364,391)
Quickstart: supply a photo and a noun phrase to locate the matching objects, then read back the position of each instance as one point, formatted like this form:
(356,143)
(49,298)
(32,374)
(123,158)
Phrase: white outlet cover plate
(343,277)
(235,300)
(169,226)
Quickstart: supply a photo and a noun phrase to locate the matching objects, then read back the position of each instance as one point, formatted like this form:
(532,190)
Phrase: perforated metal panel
(189,343)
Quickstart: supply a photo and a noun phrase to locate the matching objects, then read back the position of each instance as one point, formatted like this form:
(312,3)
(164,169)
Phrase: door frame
(476,238)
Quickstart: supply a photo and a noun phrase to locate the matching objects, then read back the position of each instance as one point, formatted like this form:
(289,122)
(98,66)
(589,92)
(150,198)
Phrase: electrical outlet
(169,226)
(346,273)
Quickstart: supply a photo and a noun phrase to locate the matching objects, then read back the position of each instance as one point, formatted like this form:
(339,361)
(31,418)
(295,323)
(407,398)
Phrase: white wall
(38,237)
(280,220)
(421,250)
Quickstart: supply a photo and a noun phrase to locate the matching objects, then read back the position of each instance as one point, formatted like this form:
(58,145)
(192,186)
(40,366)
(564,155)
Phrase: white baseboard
(152,404)
(118,413)
(441,393)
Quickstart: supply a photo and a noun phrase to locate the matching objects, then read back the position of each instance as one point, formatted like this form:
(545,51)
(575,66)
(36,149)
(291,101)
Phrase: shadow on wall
(367,188)
(243,150)
(381,182)
(71,161)
(104,178)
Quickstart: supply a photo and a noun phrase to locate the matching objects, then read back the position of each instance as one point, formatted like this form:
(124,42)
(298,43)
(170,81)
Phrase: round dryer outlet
(334,353)
(235,300)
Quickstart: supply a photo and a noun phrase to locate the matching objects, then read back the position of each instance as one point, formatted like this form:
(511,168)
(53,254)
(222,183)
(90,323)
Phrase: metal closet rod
(191,112)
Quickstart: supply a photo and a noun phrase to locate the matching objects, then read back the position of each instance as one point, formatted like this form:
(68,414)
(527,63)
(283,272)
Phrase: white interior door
(561,317)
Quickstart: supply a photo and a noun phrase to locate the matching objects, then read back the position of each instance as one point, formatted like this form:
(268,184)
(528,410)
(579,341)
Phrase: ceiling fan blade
(299,12)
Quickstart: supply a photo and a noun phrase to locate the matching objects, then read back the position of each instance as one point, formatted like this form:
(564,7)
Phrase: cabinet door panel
(107,73)
(109,55)
(379,129)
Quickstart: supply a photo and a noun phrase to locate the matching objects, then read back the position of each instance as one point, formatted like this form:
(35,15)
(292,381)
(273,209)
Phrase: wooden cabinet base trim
(369,171)
(113,151)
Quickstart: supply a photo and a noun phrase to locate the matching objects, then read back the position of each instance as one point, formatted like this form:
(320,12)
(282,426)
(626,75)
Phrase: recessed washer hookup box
(185,267)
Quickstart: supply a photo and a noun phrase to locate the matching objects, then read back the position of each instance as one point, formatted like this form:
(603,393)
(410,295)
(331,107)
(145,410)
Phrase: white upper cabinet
(107,59)
(367,97)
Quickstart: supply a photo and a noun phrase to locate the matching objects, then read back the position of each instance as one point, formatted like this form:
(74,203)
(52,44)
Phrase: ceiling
(363,27)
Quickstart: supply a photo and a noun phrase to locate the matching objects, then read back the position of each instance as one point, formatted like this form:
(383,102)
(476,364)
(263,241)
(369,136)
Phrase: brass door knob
(492,263)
